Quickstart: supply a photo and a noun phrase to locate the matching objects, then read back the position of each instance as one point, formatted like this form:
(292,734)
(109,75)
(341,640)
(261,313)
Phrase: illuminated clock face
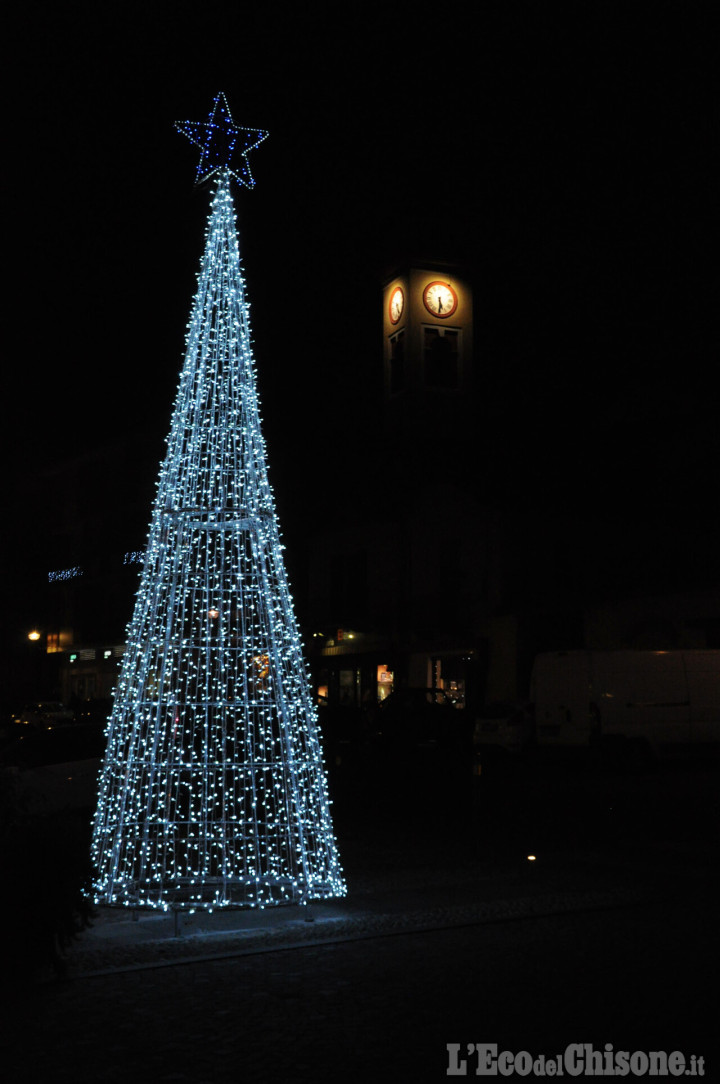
(397,304)
(440,299)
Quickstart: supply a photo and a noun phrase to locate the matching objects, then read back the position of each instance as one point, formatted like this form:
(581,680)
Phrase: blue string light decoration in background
(213,791)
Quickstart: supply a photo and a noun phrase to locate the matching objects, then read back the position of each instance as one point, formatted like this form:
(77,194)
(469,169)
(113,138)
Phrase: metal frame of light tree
(213,790)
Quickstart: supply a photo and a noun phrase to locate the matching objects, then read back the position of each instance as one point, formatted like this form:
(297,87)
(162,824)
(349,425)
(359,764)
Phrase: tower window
(441,357)
(397,362)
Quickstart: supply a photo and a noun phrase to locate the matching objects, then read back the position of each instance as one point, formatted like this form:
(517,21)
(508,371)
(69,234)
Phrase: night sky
(565,159)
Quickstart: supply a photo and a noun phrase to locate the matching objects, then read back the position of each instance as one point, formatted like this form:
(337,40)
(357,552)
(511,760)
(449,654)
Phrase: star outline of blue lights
(219,138)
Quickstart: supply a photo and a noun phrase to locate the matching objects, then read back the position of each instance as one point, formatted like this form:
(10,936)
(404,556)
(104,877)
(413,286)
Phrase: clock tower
(427,362)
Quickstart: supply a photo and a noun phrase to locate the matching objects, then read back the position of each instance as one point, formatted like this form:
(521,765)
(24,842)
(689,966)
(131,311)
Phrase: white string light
(213,790)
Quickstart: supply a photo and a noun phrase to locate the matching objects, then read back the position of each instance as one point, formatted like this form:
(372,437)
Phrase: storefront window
(384,682)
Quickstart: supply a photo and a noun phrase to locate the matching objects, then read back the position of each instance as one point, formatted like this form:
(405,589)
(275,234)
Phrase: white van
(663,702)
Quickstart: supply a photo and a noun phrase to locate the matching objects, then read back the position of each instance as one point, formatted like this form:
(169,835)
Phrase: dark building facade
(423,580)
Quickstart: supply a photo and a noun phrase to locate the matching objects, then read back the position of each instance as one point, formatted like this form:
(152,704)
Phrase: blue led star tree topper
(213,790)
(223,146)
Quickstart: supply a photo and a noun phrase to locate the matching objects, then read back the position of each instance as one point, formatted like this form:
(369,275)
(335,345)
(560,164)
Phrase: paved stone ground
(609,938)
(384,1009)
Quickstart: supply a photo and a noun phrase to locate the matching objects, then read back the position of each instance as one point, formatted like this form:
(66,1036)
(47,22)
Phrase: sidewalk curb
(94,961)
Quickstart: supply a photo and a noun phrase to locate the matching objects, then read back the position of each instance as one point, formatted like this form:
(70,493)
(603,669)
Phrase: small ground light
(34,635)
(531,857)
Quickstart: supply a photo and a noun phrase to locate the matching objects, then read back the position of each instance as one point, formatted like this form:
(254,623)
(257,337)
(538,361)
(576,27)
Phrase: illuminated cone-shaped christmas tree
(213,791)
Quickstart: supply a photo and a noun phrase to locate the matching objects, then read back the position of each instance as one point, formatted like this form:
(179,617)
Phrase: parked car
(504,726)
(417,714)
(56,768)
(45,714)
(94,711)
